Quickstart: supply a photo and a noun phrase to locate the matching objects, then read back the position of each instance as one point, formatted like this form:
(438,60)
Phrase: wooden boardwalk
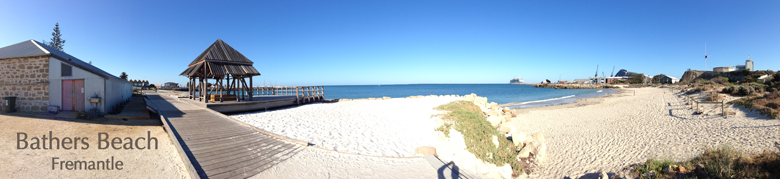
(217,146)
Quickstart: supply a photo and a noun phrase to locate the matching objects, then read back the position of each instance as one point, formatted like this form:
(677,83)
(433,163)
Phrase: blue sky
(406,42)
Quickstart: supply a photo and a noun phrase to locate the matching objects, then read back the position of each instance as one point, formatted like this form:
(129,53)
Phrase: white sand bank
(393,127)
(318,163)
(627,129)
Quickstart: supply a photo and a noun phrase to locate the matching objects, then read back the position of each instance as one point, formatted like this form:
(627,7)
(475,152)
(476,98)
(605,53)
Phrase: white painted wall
(117,90)
(93,85)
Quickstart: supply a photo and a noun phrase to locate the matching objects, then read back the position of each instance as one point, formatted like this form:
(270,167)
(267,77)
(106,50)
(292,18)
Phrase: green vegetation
(123,76)
(636,78)
(722,162)
(702,81)
(720,80)
(658,77)
(478,135)
(657,165)
(445,128)
(56,40)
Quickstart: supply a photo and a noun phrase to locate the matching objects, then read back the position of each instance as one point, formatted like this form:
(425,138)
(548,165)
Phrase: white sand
(393,127)
(318,163)
(627,129)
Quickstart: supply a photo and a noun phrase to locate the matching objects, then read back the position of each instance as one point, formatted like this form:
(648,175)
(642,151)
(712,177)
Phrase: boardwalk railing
(303,94)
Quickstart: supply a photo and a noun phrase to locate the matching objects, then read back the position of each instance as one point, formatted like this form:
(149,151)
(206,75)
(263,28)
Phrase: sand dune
(624,129)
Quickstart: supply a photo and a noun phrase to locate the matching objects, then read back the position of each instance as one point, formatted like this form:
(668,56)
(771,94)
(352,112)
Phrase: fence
(691,100)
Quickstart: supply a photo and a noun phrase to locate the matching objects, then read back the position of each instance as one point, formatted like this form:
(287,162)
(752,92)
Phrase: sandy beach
(609,133)
(584,137)
(163,162)
(390,128)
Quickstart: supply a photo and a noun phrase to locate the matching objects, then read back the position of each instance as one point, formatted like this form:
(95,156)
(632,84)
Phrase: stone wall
(28,79)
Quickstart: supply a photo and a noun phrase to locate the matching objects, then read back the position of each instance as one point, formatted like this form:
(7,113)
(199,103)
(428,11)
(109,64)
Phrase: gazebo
(229,70)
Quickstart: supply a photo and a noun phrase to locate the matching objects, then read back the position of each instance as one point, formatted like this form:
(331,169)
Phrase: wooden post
(235,89)
(297,100)
(722,108)
(206,89)
(189,87)
(221,90)
(323,92)
(251,89)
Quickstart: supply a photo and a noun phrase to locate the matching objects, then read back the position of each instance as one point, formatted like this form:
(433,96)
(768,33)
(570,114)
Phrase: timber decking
(217,146)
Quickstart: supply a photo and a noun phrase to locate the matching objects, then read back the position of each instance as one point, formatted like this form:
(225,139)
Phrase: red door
(73,95)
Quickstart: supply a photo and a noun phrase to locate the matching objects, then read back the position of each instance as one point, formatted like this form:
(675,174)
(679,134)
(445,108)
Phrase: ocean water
(513,96)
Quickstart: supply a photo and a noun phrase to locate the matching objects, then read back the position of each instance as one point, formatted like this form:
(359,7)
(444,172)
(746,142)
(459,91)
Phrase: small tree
(636,78)
(56,40)
(657,78)
(123,76)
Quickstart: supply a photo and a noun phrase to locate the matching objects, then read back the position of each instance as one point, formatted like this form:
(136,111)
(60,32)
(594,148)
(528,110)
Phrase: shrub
(720,80)
(728,90)
(722,162)
(478,135)
(445,128)
(702,81)
(746,90)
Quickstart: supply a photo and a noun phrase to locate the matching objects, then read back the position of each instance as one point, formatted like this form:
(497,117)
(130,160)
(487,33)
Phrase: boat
(516,81)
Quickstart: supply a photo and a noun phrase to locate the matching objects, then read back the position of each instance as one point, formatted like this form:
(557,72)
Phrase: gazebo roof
(221,52)
(221,60)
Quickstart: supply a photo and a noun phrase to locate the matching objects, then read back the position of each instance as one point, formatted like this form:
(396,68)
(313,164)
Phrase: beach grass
(720,162)
(768,105)
(478,135)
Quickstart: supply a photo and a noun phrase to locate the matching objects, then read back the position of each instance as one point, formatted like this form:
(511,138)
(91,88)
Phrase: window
(66,70)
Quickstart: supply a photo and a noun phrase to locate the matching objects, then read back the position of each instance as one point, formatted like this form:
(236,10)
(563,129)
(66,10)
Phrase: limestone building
(41,76)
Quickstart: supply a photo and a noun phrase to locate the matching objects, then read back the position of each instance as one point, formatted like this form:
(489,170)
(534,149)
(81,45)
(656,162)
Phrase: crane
(597,70)
(613,72)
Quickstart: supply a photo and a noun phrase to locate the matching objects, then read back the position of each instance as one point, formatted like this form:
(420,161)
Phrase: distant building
(139,83)
(723,69)
(623,73)
(747,67)
(563,82)
(668,80)
(764,78)
(171,85)
(598,80)
(581,81)
(617,79)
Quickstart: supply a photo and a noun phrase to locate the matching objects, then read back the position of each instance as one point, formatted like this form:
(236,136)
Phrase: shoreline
(580,102)
(559,100)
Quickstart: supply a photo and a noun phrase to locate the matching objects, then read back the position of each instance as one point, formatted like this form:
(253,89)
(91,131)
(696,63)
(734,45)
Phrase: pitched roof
(220,60)
(221,52)
(35,48)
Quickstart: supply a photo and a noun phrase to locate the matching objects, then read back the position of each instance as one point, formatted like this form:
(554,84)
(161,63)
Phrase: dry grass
(768,105)
(722,162)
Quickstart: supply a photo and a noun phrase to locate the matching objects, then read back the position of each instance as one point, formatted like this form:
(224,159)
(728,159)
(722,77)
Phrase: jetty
(213,145)
(260,98)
